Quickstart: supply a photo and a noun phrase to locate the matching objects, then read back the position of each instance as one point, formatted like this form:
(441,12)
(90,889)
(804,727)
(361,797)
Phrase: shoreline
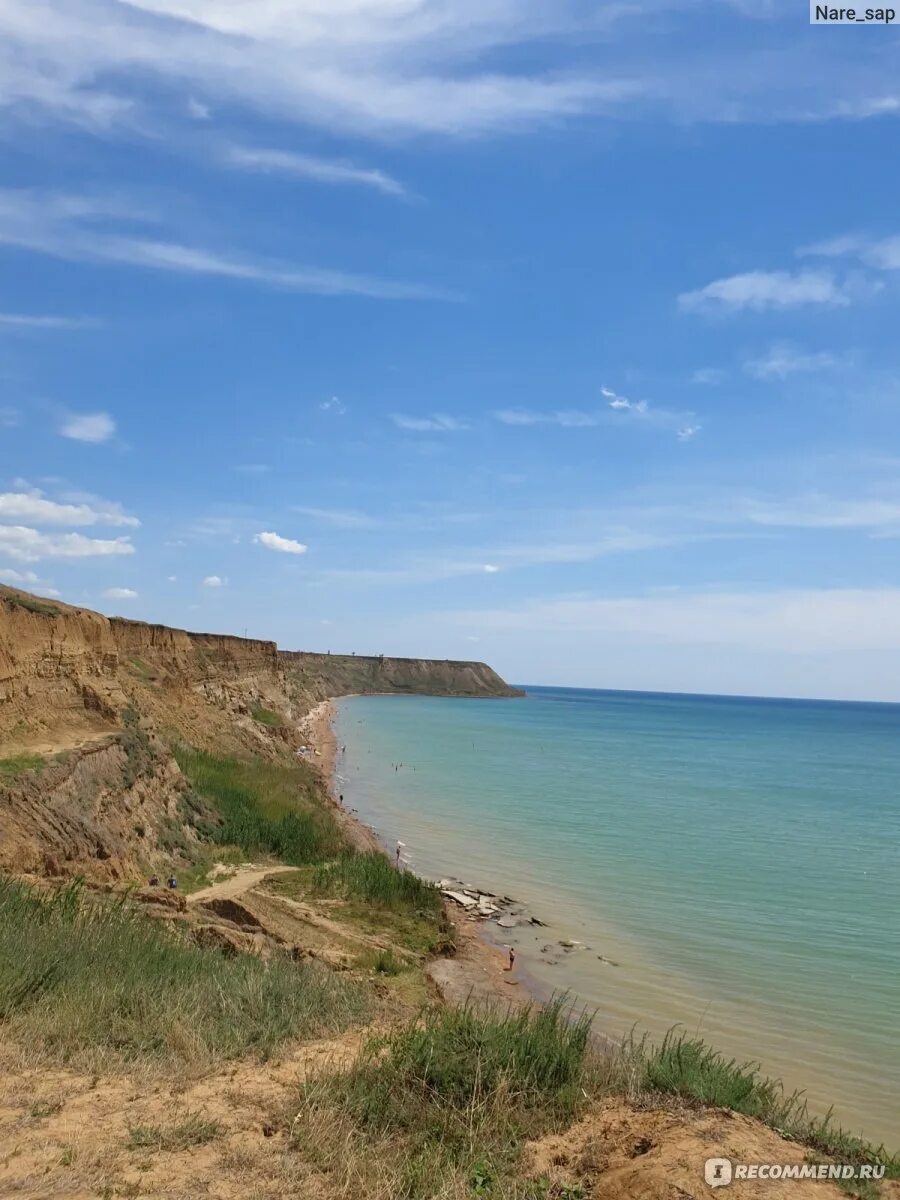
(477,969)
(481,940)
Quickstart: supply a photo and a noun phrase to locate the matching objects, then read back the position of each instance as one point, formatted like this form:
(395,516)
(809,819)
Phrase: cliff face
(89,705)
(66,670)
(348,674)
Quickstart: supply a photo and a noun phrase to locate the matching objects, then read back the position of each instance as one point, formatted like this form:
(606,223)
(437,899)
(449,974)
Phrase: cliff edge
(91,706)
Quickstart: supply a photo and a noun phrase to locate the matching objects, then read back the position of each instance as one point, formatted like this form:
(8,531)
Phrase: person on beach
(399,848)
(341,799)
(512,958)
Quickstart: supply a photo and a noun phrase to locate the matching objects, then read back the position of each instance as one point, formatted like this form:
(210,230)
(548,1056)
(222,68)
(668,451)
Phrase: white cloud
(198,110)
(66,226)
(34,506)
(760,290)
(782,359)
(333,405)
(469,67)
(687,432)
(490,569)
(652,415)
(566,418)
(26,321)
(371,66)
(88,427)
(272,541)
(120,593)
(881,253)
(9,575)
(314,168)
(28,545)
(172,578)
(213,581)
(437,423)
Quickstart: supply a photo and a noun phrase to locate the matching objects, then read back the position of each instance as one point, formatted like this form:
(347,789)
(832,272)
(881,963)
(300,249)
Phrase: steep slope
(90,705)
(346,674)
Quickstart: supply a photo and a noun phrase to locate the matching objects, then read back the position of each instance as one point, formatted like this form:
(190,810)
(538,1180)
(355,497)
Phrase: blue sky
(562,336)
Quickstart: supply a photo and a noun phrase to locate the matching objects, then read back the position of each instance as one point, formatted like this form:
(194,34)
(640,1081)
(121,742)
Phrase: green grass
(373,879)
(192,1130)
(447,1102)
(16,765)
(385,962)
(141,669)
(687,1067)
(264,808)
(266,716)
(31,604)
(88,981)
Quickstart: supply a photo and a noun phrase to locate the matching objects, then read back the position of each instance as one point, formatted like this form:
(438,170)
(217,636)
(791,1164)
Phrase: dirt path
(243,880)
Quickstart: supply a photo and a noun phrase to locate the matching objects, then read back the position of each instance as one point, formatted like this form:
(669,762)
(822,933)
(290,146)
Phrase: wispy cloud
(120,593)
(565,418)
(37,321)
(25,544)
(681,423)
(11,575)
(787,621)
(283,545)
(383,66)
(370,67)
(88,427)
(97,229)
(783,359)
(214,581)
(334,405)
(709,376)
(687,432)
(436,423)
(312,167)
(339,518)
(761,290)
(34,506)
(881,253)
(818,511)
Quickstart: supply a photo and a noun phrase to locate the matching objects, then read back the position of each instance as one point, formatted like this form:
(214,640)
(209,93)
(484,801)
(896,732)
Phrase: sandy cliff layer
(99,701)
(66,670)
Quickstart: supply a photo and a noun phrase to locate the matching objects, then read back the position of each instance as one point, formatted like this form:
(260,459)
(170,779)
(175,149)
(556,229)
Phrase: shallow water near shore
(735,859)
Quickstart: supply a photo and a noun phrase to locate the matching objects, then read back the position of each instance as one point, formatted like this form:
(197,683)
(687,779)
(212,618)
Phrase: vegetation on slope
(688,1067)
(372,879)
(17,764)
(84,980)
(264,808)
(443,1106)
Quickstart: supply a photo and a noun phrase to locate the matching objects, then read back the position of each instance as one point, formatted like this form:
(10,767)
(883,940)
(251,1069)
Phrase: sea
(726,865)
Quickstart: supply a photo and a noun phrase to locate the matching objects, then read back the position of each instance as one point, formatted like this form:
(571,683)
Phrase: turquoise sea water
(737,859)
